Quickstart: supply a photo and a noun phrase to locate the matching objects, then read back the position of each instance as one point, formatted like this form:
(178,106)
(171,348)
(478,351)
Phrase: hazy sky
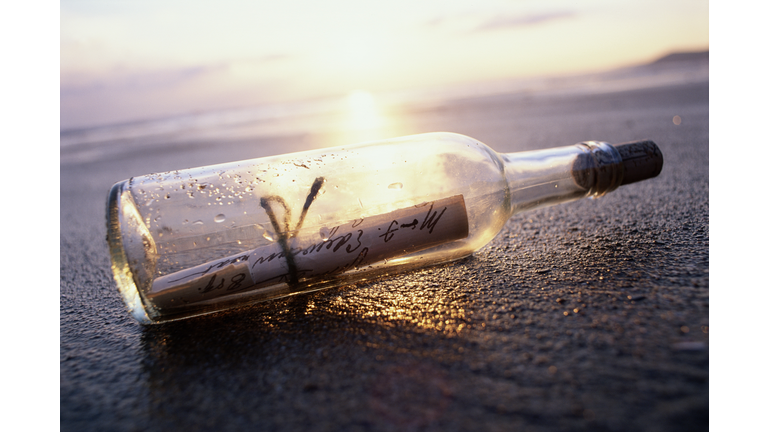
(126,60)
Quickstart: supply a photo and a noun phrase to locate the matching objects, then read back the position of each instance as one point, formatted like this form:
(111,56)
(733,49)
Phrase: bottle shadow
(275,363)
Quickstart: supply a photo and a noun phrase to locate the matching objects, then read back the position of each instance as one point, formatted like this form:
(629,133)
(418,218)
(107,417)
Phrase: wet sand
(591,315)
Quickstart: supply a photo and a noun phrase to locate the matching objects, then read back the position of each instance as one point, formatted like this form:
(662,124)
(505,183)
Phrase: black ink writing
(359,243)
(210,287)
(219,265)
(355,263)
(428,220)
(345,238)
(268,258)
(236,281)
(411,225)
(390,232)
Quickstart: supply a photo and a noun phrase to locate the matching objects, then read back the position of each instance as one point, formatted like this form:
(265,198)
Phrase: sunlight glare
(363,114)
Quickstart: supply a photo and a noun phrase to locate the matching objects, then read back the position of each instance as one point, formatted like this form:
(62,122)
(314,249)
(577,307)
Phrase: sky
(123,61)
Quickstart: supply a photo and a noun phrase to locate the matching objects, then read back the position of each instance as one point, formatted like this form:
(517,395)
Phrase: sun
(363,112)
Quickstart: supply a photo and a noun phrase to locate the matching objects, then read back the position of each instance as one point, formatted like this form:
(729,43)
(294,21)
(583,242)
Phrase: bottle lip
(599,169)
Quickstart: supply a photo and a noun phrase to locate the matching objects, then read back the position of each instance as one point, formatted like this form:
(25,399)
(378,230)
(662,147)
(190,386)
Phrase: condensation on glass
(195,241)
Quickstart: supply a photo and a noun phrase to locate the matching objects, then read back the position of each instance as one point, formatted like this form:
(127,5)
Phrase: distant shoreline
(692,56)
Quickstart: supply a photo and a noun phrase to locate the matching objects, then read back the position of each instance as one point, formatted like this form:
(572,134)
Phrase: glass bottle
(201,240)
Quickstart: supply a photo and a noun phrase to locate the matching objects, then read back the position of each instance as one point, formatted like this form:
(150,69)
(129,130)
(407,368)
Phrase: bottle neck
(541,178)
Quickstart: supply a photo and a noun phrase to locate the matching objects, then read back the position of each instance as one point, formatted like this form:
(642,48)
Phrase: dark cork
(642,160)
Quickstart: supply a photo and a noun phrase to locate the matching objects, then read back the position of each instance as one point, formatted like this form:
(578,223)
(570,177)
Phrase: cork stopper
(641,159)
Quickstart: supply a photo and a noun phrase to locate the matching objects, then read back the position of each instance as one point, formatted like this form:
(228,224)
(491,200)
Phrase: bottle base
(120,268)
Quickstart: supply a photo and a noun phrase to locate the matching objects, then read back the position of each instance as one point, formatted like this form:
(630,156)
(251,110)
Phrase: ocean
(359,116)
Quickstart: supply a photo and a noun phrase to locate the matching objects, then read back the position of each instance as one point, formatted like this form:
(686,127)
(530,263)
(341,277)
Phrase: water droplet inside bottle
(397,185)
(197,222)
(269,236)
(219,218)
(324,233)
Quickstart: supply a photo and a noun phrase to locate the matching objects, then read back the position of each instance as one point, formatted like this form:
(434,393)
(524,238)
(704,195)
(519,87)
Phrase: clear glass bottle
(201,240)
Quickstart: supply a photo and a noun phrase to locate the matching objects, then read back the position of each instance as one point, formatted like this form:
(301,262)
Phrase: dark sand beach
(591,315)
